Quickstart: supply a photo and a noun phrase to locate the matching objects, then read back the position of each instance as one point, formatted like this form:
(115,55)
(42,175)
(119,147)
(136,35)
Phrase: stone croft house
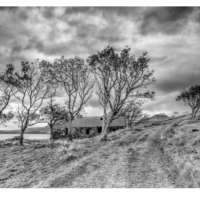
(91,126)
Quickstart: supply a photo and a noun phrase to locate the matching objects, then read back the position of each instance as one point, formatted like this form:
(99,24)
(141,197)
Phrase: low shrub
(59,133)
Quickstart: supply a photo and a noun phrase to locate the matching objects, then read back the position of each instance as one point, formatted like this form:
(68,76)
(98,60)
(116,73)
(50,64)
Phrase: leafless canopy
(120,78)
(6,91)
(74,77)
(132,112)
(30,94)
(191,97)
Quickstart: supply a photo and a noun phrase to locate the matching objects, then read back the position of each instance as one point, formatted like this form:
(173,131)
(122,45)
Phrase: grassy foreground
(28,165)
(161,154)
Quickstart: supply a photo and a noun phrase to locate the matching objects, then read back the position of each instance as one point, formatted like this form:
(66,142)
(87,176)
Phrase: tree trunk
(23,128)
(194,113)
(70,129)
(105,127)
(51,134)
(129,124)
(21,140)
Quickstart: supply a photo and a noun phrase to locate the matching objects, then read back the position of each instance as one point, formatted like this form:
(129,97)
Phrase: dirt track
(164,155)
(130,161)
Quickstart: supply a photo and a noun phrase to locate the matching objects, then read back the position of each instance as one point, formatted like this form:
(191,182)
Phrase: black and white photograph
(99,97)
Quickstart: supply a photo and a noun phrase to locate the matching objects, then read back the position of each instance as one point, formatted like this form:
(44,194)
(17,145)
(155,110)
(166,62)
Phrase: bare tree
(5,97)
(53,113)
(6,91)
(191,97)
(132,112)
(30,94)
(74,77)
(120,77)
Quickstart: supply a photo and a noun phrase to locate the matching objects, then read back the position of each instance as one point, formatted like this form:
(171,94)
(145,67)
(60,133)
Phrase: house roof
(95,122)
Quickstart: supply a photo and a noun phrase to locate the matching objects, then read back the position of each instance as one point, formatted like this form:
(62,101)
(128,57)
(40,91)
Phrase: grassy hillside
(161,154)
(180,147)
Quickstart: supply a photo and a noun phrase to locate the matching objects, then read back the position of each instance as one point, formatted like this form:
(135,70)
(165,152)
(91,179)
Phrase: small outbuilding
(90,126)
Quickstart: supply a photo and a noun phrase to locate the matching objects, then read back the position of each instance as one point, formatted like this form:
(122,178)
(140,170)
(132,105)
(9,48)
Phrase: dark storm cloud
(159,59)
(179,70)
(178,81)
(89,30)
(48,12)
(46,33)
(169,20)
(8,8)
(162,105)
(109,34)
(106,11)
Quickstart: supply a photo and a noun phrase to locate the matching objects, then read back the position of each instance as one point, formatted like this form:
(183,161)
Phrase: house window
(87,131)
(99,129)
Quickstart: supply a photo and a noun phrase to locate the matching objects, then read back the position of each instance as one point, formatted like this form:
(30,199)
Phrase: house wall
(86,132)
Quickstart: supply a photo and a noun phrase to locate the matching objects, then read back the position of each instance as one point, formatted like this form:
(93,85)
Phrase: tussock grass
(36,161)
(176,147)
(28,165)
(179,145)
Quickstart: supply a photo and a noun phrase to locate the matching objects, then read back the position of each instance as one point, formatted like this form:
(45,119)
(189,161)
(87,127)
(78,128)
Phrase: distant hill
(160,116)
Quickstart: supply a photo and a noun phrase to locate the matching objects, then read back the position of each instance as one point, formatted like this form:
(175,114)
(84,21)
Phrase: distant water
(26,136)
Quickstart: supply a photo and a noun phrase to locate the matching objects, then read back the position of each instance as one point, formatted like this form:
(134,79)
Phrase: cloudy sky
(170,35)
